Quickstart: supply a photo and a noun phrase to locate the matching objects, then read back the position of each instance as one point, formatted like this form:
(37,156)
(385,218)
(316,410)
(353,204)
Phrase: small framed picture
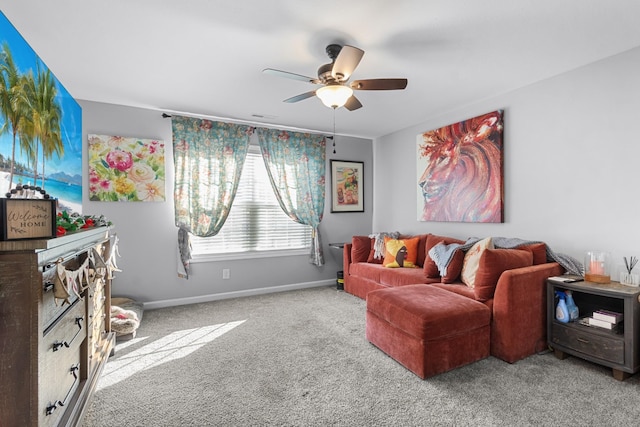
(347,186)
(27,219)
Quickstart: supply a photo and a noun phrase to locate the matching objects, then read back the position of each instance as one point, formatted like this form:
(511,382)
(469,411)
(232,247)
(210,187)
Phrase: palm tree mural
(41,127)
(31,113)
(11,85)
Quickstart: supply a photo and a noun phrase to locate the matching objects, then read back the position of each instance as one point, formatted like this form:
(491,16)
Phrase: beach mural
(40,125)
(459,170)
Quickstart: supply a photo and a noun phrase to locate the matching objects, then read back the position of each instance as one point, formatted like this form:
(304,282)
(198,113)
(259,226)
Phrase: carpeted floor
(300,358)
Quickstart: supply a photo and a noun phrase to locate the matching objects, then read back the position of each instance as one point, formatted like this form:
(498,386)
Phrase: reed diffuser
(628,278)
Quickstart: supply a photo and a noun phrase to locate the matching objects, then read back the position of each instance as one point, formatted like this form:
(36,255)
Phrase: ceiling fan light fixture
(334,96)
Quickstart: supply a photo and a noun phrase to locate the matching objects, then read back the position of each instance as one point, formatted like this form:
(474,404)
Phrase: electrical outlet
(225,273)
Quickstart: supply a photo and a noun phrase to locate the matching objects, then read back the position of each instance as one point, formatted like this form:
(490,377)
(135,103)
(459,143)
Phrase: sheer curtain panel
(296,164)
(208,159)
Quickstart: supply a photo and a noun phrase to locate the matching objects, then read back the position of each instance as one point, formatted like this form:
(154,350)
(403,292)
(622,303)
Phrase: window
(256,225)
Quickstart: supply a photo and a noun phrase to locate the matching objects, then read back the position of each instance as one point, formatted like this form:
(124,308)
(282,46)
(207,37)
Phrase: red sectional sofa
(515,296)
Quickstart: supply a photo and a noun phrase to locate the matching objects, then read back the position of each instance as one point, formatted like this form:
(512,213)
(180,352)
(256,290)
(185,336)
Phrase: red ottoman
(427,329)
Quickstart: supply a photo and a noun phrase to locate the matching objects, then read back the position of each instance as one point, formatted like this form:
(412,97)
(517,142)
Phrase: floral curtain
(296,166)
(208,158)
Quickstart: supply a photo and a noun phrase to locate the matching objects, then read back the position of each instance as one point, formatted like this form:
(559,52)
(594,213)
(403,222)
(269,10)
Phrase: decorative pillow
(454,268)
(430,267)
(472,261)
(493,263)
(538,250)
(371,259)
(400,252)
(421,249)
(361,245)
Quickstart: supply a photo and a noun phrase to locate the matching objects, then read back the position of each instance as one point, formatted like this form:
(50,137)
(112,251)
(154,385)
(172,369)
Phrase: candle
(596,267)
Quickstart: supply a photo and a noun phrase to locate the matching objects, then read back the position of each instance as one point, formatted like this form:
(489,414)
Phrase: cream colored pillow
(472,261)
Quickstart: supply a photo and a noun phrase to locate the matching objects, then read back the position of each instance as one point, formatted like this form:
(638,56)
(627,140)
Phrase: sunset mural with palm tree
(40,124)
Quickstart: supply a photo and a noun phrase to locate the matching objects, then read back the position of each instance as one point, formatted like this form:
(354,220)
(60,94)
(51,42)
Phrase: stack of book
(605,319)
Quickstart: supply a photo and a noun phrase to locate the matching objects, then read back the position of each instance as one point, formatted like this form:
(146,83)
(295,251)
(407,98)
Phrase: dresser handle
(57,345)
(48,286)
(53,407)
(73,370)
(79,321)
(582,340)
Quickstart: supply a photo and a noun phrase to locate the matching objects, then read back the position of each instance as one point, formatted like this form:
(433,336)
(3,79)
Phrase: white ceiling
(205,57)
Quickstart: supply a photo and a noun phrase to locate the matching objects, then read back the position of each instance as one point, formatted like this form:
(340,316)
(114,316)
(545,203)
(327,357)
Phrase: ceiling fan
(336,91)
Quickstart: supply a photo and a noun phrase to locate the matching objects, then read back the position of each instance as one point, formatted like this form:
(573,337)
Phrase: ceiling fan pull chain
(334,130)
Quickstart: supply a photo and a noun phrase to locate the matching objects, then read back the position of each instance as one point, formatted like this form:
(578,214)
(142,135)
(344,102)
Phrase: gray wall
(148,235)
(571,153)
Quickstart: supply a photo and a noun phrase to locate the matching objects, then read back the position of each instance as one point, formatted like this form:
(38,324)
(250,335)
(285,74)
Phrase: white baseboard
(150,305)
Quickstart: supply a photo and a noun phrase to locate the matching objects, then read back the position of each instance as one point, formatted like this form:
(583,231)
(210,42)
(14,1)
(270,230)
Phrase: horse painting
(460,171)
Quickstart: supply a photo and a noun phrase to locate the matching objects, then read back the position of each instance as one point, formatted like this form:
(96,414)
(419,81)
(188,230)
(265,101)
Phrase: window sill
(248,255)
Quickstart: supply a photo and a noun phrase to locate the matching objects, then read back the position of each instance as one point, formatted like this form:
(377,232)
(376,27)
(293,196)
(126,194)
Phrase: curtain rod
(245,122)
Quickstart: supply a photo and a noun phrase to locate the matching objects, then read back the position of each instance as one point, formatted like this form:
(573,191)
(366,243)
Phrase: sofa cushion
(454,268)
(372,258)
(430,267)
(427,312)
(366,270)
(400,252)
(538,250)
(457,288)
(360,248)
(422,246)
(472,261)
(493,263)
(403,276)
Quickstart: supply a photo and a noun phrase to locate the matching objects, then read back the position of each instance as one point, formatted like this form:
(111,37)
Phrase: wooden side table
(617,349)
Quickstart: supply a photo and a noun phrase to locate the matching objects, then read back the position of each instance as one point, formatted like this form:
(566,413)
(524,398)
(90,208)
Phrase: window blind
(256,222)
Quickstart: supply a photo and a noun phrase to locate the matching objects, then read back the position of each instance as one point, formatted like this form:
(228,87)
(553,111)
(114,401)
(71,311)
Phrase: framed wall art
(126,169)
(459,171)
(347,186)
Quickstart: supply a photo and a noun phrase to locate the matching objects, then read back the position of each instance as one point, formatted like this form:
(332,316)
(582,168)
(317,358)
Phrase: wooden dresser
(51,354)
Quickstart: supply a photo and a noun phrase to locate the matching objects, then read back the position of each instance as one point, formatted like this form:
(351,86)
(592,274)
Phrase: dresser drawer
(52,308)
(97,335)
(95,297)
(584,340)
(60,378)
(67,332)
(97,325)
(60,362)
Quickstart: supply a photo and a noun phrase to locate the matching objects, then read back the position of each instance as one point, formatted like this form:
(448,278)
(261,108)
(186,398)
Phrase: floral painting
(126,169)
(459,171)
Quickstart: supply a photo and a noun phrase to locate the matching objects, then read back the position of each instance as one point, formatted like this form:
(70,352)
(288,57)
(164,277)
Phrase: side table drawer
(606,348)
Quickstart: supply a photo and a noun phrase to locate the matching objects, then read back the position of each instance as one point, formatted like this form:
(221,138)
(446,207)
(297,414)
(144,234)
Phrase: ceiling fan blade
(300,97)
(289,75)
(347,61)
(379,84)
(352,103)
